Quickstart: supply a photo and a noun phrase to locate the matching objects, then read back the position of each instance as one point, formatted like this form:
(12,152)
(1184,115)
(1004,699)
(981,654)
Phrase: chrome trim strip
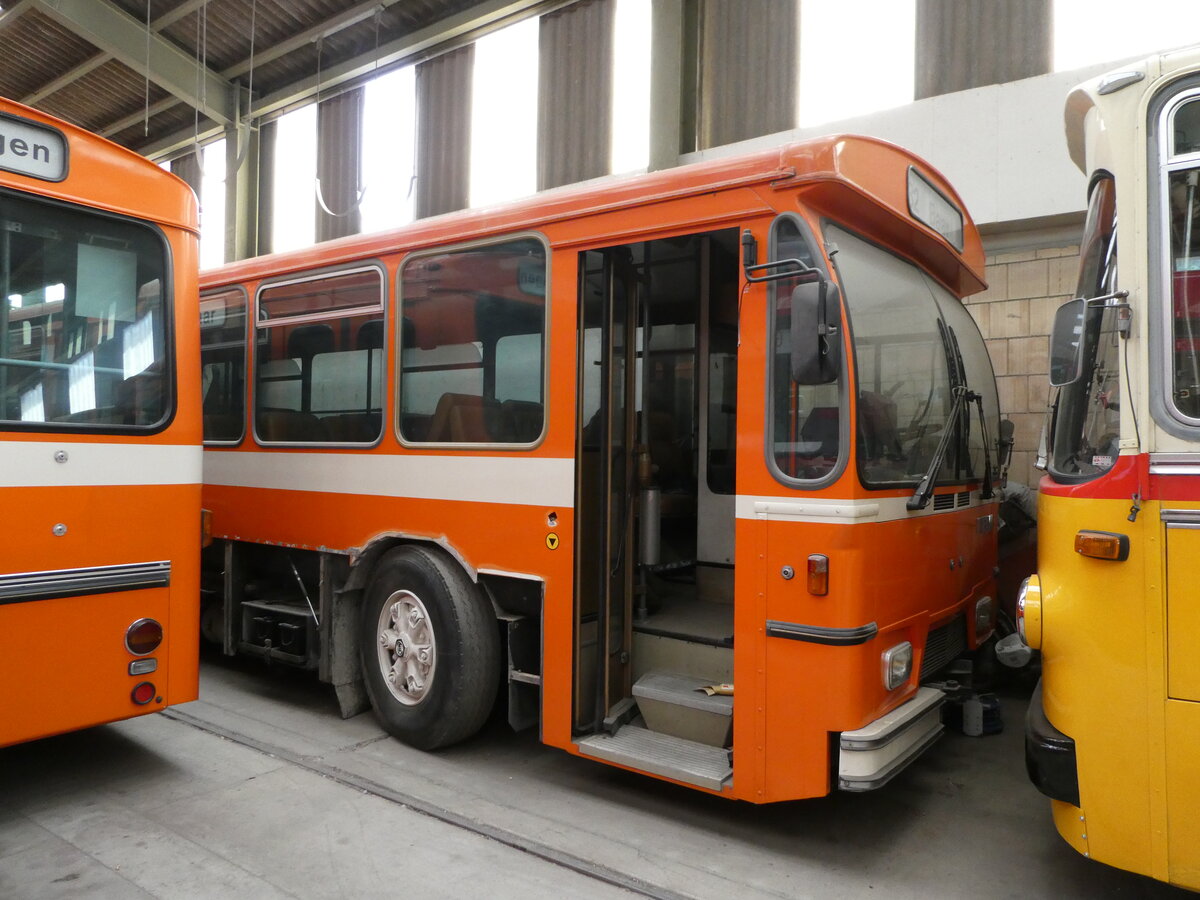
(817,634)
(24,587)
(1174,464)
(1180,516)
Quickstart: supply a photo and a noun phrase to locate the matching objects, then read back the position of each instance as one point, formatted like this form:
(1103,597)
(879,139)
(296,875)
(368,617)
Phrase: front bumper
(1049,755)
(872,755)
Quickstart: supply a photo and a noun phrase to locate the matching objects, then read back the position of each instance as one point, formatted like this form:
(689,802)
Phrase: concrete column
(575,50)
(444,132)
(265,206)
(339,165)
(242,166)
(963,44)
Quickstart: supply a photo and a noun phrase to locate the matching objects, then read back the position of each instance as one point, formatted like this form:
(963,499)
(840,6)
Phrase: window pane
(1086,33)
(1086,434)
(319,377)
(806,419)
(848,69)
(223,364)
(321,296)
(904,397)
(504,114)
(389,150)
(83,338)
(473,336)
(631,75)
(212,206)
(294,218)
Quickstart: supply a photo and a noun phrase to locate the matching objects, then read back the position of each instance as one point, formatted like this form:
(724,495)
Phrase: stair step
(682,690)
(662,754)
(676,704)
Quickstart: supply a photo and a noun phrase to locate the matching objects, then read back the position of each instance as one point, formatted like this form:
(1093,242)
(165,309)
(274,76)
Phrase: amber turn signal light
(1102,545)
(818,574)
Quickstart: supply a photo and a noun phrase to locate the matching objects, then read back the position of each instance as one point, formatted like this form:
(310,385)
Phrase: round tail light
(143,693)
(143,637)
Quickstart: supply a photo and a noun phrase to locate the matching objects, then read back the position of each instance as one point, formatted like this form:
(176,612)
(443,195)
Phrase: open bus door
(606,478)
(655,452)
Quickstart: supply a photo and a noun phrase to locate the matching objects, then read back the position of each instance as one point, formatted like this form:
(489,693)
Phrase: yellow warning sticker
(552,541)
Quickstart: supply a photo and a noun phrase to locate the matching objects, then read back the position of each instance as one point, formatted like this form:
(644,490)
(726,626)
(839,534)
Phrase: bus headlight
(897,665)
(1029,612)
(985,615)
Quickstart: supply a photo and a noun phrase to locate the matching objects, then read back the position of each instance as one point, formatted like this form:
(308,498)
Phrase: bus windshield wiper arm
(920,497)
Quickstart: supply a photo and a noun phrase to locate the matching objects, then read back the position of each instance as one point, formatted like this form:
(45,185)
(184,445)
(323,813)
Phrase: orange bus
(99,437)
(617,451)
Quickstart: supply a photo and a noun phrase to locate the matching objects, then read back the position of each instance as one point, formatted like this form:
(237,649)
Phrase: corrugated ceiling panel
(575,93)
(36,50)
(103,95)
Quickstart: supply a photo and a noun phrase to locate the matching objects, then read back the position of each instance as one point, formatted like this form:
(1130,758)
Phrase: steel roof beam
(442,36)
(124,38)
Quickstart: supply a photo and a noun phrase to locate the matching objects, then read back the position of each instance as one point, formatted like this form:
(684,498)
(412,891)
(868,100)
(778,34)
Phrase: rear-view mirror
(816,342)
(1066,343)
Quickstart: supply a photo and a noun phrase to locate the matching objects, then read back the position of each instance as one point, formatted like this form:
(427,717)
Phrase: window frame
(246,306)
(817,248)
(398,357)
(350,268)
(1162,163)
(170,357)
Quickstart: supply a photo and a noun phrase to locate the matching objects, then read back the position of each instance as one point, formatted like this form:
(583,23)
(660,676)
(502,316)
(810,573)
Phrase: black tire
(413,593)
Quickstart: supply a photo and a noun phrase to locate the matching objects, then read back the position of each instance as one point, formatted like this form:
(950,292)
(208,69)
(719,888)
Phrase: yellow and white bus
(1113,729)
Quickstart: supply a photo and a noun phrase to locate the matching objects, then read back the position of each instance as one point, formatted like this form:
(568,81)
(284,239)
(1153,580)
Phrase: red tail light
(143,693)
(143,637)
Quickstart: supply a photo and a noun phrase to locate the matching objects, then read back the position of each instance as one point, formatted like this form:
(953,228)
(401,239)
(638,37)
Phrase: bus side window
(472,361)
(223,364)
(321,382)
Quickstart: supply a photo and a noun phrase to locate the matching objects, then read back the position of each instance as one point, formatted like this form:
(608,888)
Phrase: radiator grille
(943,645)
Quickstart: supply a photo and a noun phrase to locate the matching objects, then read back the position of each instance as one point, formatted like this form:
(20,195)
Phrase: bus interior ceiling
(666,498)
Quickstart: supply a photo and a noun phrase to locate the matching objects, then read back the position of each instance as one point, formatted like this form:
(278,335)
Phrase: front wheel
(430,649)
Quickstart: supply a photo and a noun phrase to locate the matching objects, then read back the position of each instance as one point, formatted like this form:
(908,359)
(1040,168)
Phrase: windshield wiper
(963,396)
(920,497)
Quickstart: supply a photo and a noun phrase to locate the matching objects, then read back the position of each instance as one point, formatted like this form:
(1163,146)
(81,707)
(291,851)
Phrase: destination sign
(927,204)
(29,148)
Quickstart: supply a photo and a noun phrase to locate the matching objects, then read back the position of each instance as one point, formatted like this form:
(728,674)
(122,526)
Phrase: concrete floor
(258,789)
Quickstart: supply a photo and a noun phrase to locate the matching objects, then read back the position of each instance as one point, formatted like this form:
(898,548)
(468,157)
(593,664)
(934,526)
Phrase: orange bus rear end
(99,436)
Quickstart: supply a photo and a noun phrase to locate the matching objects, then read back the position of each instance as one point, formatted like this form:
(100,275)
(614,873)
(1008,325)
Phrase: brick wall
(1015,315)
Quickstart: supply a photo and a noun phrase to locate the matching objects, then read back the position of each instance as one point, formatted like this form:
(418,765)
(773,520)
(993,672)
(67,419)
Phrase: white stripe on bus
(845,512)
(67,464)
(522,480)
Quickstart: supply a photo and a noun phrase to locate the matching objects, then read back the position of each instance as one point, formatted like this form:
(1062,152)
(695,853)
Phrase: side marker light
(1102,545)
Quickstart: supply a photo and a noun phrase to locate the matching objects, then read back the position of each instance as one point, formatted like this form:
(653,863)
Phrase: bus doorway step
(662,754)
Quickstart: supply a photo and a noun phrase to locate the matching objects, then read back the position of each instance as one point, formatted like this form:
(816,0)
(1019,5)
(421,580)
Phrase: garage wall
(1015,315)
